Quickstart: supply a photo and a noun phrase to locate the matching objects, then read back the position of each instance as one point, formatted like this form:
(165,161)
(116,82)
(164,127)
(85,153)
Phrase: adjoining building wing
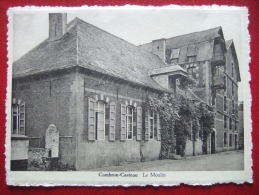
(197,46)
(231,47)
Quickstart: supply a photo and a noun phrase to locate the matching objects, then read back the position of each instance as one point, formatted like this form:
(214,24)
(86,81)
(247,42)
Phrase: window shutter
(139,122)
(91,119)
(146,125)
(112,124)
(22,118)
(123,122)
(158,128)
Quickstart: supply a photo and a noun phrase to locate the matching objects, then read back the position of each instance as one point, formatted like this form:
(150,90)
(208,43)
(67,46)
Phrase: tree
(167,105)
(181,116)
(206,119)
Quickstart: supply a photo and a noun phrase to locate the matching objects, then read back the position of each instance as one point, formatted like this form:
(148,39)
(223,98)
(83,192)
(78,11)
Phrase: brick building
(92,85)
(241,124)
(213,63)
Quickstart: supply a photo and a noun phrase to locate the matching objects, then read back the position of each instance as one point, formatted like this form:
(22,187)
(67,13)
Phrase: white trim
(111,94)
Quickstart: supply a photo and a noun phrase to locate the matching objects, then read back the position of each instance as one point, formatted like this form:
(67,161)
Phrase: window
(225,83)
(217,71)
(15,121)
(18,118)
(232,69)
(174,57)
(235,126)
(193,70)
(233,106)
(191,58)
(230,123)
(230,140)
(233,88)
(225,139)
(129,122)
(225,103)
(100,121)
(225,121)
(151,124)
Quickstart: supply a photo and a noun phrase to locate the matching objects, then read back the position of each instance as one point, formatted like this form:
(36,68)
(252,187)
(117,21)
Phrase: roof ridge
(76,19)
(218,27)
(80,20)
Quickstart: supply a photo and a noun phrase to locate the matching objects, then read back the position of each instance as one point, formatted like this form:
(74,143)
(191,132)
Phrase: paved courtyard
(230,160)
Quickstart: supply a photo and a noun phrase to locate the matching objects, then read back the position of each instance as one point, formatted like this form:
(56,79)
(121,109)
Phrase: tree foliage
(180,117)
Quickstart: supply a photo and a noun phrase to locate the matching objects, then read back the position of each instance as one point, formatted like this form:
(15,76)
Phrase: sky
(137,26)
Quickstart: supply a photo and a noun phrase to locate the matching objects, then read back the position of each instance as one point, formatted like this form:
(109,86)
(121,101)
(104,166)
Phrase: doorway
(212,141)
(236,143)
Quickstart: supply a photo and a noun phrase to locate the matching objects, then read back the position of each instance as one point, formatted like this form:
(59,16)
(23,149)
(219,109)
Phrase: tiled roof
(193,38)
(201,42)
(89,47)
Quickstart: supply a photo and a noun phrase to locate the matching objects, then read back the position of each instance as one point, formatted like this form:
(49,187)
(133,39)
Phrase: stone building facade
(213,63)
(241,124)
(92,85)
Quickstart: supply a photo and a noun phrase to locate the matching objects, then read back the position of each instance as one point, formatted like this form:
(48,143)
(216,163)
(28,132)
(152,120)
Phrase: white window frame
(97,137)
(128,130)
(153,125)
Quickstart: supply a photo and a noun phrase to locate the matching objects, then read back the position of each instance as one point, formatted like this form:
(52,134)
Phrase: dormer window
(174,57)
(191,53)
(191,58)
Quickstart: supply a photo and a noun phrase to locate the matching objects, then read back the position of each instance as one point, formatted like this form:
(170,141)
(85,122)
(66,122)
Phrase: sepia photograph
(128,92)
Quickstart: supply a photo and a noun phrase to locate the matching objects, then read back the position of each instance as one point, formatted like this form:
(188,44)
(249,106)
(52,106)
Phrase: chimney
(57,25)
(159,48)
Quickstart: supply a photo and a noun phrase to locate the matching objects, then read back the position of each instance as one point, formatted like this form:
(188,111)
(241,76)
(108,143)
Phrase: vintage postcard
(131,95)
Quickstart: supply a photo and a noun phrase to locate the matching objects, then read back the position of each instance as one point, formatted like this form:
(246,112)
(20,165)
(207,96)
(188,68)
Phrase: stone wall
(189,147)
(150,150)
(104,153)
(19,147)
(48,101)
(98,153)
(38,159)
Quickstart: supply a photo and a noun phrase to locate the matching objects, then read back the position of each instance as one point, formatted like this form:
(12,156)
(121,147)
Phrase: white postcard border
(88,178)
